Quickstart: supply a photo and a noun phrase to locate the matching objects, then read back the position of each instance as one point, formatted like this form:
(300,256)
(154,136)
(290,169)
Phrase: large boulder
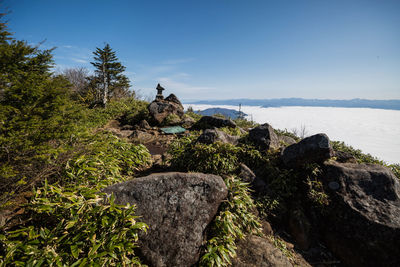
(177,207)
(209,122)
(286,140)
(363,226)
(255,251)
(264,136)
(187,121)
(159,109)
(313,149)
(210,136)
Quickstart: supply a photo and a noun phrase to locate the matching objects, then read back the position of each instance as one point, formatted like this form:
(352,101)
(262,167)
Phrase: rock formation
(313,149)
(363,227)
(264,136)
(177,207)
(210,136)
(255,251)
(209,122)
(161,108)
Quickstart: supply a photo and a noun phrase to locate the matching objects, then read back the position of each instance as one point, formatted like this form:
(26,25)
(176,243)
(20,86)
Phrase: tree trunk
(105,91)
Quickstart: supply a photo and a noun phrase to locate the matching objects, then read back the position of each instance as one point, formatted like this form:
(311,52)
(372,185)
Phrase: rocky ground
(358,226)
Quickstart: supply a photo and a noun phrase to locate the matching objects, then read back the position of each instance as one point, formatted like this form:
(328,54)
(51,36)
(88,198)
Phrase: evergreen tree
(34,105)
(109,77)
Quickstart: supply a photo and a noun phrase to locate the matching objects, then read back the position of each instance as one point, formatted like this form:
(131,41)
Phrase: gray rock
(299,227)
(264,136)
(344,157)
(210,136)
(187,121)
(159,109)
(246,175)
(255,251)
(172,98)
(209,122)
(127,127)
(287,140)
(313,149)
(177,207)
(363,226)
(142,136)
(144,125)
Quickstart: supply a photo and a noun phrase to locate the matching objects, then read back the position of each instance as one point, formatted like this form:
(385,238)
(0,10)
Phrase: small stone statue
(159,95)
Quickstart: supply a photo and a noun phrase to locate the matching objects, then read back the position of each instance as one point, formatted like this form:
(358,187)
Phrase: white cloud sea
(374,131)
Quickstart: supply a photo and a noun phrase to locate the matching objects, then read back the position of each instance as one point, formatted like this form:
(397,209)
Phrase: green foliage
(245,124)
(217,158)
(234,221)
(288,134)
(172,119)
(194,115)
(266,206)
(281,245)
(219,115)
(72,222)
(106,159)
(316,191)
(36,114)
(395,169)
(361,157)
(129,110)
(71,227)
(111,83)
(232,131)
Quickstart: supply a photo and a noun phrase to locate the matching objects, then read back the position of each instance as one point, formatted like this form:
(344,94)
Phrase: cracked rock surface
(177,207)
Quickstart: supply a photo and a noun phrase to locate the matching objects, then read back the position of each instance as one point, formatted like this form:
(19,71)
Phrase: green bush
(129,110)
(361,157)
(395,169)
(234,221)
(71,221)
(217,158)
(288,134)
(75,226)
(194,115)
(245,124)
(171,119)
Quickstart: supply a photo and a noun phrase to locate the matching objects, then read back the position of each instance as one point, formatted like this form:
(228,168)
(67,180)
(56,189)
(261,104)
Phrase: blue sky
(223,49)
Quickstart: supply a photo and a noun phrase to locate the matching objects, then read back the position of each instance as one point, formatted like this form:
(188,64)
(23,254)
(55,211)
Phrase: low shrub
(216,158)
(361,157)
(71,222)
(234,221)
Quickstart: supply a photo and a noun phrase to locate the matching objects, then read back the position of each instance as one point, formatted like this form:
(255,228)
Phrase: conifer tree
(109,77)
(35,107)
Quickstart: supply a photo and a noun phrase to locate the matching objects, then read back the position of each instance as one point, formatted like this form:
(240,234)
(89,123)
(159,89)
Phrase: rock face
(210,136)
(286,140)
(144,125)
(363,227)
(264,136)
(344,157)
(159,109)
(312,149)
(209,122)
(255,251)
(299,227)
(187,121)
(177,207)
(246,175)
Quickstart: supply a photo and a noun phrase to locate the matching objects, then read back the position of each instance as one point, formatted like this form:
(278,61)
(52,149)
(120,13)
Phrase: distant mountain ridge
(229,113)
(282,102)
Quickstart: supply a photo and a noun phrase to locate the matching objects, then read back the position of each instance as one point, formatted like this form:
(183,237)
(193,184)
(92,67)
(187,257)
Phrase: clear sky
(224,49)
